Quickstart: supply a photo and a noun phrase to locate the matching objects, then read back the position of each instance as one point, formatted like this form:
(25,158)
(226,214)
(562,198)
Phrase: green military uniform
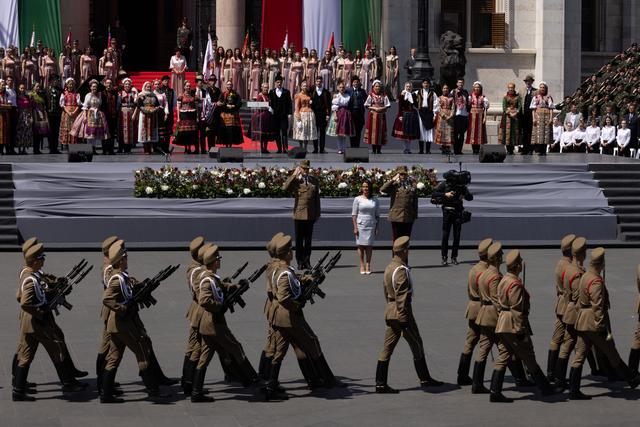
(559,327)
(398,315)
(594,328)
(634,353)
(473,307)
(513,330)
(403,208)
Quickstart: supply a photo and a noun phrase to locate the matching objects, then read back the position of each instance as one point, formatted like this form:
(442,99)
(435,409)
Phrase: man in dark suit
(632,123)
(410,63)
(214,93)
(358,96)
(280,103)
(321,106)
(528,92)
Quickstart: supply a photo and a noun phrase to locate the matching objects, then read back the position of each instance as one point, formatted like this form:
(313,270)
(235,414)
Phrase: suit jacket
(404,202)
(398,292)
(594,304)
(307,197)
(526,101)
(514,303)
(632,124)
(171,99)
(473,306)
(488,287)
(321,106)
(282,106)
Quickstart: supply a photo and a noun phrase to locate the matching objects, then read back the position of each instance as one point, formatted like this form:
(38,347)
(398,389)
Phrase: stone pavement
(350,325)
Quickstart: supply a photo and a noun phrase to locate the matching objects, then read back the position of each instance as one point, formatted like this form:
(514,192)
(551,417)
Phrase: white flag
(33,39)
(208,57)
(285,45)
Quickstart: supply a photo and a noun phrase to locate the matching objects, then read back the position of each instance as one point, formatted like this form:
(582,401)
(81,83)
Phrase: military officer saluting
(634,353)
(594,328)
(513,330)
(403,209)
(398,290)
(306,209)
(473,307)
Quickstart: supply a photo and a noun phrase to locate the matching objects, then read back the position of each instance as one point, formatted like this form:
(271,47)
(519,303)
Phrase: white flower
(325,171)
(378,175)
(184,172)
(229,191)
(435,171)
(342,185)
(166,174)
(389,172)
(164,187)
(138,171)
(282,170)
(262,185)
(246,191)
(194,186)
(243,176)
(420,186)
(148,190)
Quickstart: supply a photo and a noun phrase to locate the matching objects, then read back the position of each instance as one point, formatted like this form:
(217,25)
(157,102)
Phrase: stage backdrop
(280,17)
(321,18)
(8,23)
(45,15)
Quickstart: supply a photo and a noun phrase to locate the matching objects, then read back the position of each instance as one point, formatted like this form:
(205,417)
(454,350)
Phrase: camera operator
(450,194)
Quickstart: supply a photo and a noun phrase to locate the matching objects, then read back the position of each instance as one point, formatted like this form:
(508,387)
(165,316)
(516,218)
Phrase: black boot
(249,374)
(382,372)
(150,380)
(575,375)
(324,371)
(198,395)
(186,382)
(634,359)
(542,382)
(624,372)
(75,372)
(263,366)
(20,385)
(552,359)
(518,373)
(310,374)
(477,386)
(561,373)
(156,370)
(108,387)
(427,147)
(497,379)
(272,390)
(69,383)
(421,146)
(423,374)
(100,361)
(463,369)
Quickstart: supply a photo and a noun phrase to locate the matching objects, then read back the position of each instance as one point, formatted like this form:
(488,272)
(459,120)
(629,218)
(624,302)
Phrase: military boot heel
(561,373)
(423,374)
(575,376)
(382,372)
(497,380)
(552,359)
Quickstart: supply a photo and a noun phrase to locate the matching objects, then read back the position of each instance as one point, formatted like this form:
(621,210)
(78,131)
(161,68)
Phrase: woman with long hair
(326,71)
(178,66)
(296,73)
(255,78)
(186,125)
(391,72)
(444,121)
(273,66)
(311,68)
(24,127)
(237,76)
(365,216)
(375,132)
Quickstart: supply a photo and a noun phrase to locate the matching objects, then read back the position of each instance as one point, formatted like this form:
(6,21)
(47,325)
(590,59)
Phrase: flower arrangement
(265,182)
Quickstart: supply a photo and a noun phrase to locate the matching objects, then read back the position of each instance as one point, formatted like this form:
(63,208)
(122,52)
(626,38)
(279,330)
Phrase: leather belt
(487,303)
(585,305)
(474,298)
(505,308)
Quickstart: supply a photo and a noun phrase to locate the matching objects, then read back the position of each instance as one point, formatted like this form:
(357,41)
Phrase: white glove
(270,110)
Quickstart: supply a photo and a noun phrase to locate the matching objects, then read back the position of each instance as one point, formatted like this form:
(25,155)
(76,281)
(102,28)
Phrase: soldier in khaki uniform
(634,353)
(213,327)
(513,330)
(403,209)
(398,315)
(473,331)
(38,327)
(287,319)
(306,210)
(559,327)
(594,328)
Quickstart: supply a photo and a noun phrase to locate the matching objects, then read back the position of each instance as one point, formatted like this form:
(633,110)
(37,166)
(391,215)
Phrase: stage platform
(528,200)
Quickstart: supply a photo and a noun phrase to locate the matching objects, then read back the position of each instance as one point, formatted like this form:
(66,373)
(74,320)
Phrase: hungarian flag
(332,42)
(369,44)
(208,57)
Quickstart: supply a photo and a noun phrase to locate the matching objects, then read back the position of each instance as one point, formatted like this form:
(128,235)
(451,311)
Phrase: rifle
(318,274)
(236,273)
(66,284)
(142,297)
(235,296)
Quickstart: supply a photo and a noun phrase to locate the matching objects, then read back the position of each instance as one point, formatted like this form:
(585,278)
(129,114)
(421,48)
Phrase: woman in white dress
(177,65)
(365,215)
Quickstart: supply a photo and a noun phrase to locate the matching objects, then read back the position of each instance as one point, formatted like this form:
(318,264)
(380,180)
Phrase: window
(488,28)
(453,17)
(589,26)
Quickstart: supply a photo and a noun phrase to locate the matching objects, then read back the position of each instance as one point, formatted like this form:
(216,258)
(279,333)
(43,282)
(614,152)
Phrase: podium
(256,106)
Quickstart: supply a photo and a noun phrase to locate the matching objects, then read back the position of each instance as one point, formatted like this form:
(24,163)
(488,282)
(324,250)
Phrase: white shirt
(608,133)
(319,91)
(425,100)
(624,136)
(279,92)
(566,139)
(485,102)
(593,135)
(557,133)
(579,135)
(339,100)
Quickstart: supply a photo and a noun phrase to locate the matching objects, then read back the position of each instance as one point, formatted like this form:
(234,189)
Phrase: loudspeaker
(230,155)
(356,155)
(80,153)
(297,153)
(213,152)
(492,153)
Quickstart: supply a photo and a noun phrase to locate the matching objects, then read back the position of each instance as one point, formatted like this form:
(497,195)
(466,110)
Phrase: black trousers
(460,126)
(399,229)
(202,137)
(322,133)
(282,129)
(450,219)
(304,235)
(54,131)
(357,118)
(526,128)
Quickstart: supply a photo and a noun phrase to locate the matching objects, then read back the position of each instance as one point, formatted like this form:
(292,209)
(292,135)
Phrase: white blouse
(566,139)
(608,133)
(557,133)
(339,100)
(624,136)
(579,135)
(593,135)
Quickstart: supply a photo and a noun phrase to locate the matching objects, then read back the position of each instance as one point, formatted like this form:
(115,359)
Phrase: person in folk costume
(87,65)
(311,68)
(367,70)
(509,133)
(326,71)
(28,69)
(91,124)
(147,109)
(296,74)
(477,132)
(340,122)
(227,68)
(262,121)
(391,72)
(24,124)
(304,127)
(70,103)
(110,105)
(229,105)
(255,75)
(163,113)
(375,132)
(218,62)
(187,124)
(349,69)
(127,128)
(266,56)
(407,124)
(5,117)
(428,105)
(40,120)
(542,106)
(178,66)
(237,76)
(49,67)
(444,121)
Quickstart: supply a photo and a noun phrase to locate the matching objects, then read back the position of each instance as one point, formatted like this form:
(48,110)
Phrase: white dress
(367,213)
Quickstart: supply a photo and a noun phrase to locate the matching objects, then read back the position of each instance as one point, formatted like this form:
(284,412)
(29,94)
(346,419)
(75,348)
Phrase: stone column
(631,23)
(230,26)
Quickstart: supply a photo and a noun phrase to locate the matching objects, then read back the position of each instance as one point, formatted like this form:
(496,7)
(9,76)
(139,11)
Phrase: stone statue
(452,59)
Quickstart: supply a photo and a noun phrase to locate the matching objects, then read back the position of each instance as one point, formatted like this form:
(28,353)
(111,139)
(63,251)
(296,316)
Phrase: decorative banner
(45,15)
(278,18)
(359,19)
(9,23)
(321,18)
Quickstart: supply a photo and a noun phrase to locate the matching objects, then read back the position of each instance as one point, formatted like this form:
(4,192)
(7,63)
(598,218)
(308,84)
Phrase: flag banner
(320,19)
(9,34)
(45,15)
(208,57)
(278,17)
(358,18)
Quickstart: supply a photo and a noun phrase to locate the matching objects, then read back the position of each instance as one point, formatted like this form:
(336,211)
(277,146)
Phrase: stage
(528,200)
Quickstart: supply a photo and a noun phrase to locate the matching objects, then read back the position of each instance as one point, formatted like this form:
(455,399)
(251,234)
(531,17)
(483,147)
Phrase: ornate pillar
(230,26)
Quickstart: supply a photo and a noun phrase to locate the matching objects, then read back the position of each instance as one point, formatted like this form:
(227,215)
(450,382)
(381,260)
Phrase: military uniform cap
(579,245)
(513,258)
(28,243)
(195,245)
(597,255)
(283,245)
(117,252)
(106,244)
(211,254)
(565,243)
(402,169)
(494,250)
(305,164)
(483,246)
(401,243)
(271,245)
(202,250)
(34,252)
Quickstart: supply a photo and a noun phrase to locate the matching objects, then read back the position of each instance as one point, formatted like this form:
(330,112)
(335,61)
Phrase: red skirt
(375,132)
(477,132)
